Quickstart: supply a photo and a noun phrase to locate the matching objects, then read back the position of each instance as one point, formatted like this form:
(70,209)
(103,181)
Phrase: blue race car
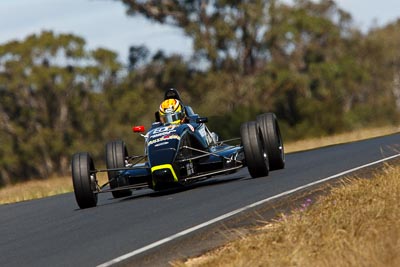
(177,154)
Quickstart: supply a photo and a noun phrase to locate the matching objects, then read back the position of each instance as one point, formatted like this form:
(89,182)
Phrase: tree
(305,61)
(137,55)
(49,102)
(383,60)
(228,34)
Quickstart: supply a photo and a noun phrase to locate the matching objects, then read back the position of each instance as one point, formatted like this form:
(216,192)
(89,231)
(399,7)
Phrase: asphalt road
(54,232)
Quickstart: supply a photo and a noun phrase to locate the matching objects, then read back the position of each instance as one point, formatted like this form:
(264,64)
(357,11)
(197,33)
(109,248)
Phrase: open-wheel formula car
(179,154)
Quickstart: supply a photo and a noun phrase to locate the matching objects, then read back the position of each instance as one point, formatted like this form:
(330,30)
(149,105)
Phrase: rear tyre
(84,180)
(256,157)
(272,140)
(116,154)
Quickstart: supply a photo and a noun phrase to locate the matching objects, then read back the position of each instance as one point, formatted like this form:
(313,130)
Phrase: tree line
(305,61)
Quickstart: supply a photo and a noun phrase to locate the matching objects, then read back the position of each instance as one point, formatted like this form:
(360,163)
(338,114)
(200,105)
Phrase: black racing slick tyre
(256,157)
(116,154)
(272,140)
(84,180)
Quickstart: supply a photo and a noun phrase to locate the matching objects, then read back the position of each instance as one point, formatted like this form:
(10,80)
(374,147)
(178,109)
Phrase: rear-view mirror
(202,120)
(138,129)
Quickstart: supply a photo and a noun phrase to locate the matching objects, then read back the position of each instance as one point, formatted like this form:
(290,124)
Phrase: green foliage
(48,102)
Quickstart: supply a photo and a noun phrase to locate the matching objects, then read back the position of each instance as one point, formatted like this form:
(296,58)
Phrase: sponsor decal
(162,134)
(161,144)
(189,168)
(202,132)
(164,138)
(191,127)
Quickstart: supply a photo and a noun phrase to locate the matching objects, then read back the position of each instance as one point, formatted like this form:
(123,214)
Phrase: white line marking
(229,214)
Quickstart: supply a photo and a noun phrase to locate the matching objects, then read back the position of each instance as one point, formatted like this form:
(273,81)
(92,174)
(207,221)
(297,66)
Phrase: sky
(104,23)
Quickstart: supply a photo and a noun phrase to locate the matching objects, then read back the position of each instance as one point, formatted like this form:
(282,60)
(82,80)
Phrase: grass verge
(355,225)
(58,185)
(35,189)
(39,188)
(340,138)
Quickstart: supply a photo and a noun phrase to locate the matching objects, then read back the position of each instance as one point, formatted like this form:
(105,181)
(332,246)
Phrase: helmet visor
(172,117)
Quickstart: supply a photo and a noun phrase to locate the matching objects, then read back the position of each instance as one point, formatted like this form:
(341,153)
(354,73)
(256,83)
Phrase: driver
(172,111)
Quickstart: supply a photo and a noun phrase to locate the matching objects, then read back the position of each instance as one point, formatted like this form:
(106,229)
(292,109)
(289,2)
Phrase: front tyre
(272,140)
(116,154)
(256,157)
(84,180)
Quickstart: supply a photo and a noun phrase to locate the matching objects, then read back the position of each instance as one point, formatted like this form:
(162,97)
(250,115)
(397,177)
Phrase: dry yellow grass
(355,225)
(340,138)
(35,189)
(39,188)
(43,188)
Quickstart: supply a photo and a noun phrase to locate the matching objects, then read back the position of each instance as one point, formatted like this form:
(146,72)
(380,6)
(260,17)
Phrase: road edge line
(234,212)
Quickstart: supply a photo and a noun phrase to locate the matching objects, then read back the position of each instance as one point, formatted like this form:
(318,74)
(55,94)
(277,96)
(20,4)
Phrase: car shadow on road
(147,192)
(182,188)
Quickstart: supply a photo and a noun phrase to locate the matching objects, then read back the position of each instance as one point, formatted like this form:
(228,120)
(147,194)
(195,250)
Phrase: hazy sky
(103,23)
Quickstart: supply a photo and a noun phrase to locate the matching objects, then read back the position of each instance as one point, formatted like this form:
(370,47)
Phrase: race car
(177,155)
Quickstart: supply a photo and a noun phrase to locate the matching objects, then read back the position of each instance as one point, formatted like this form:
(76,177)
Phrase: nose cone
(161,159)
(161,156)
(163,176)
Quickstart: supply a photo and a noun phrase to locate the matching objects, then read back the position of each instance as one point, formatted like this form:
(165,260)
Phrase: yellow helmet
(171,111)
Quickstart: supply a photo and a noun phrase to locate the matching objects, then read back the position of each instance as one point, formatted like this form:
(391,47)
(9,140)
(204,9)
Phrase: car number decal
(164,129)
